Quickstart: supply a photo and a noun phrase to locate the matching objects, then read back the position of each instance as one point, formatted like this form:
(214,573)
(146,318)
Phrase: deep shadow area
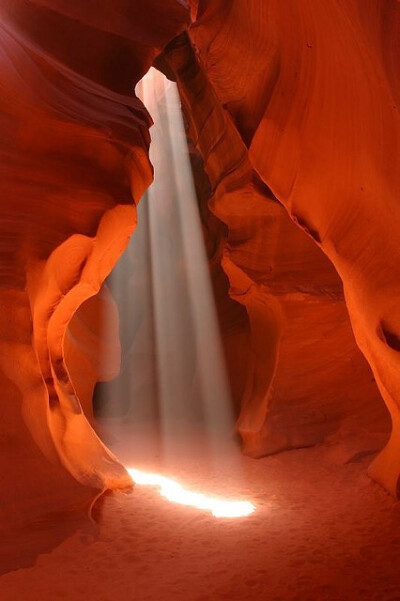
(21,547)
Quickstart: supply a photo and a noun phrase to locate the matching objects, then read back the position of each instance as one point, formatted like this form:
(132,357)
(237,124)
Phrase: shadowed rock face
(302,354)
(316,101)
(74,155)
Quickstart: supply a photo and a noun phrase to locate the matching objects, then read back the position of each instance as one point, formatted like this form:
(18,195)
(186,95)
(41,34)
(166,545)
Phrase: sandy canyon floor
(321,531)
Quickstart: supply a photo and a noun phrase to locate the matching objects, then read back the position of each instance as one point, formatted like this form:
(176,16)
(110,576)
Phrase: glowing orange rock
(74,151)
(302,353)
(314,92)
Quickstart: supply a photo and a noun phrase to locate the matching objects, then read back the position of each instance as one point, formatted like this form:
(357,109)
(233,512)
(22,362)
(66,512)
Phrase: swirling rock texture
(313,90)
(293,107)
(74,155)
(302,351)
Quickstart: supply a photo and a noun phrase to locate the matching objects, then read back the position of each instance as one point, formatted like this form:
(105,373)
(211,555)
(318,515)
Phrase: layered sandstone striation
(74,153)
(300,354)
(293,108)
(313,90)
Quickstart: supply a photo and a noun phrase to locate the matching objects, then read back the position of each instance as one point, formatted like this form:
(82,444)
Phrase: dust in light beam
(191,379)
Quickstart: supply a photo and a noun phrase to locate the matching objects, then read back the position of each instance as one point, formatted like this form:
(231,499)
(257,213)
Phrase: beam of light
(173,380)
(192,380)
(174,492)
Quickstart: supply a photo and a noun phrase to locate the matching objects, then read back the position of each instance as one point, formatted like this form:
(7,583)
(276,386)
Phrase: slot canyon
(200,300)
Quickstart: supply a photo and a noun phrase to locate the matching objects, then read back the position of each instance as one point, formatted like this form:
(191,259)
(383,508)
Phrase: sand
(322,530)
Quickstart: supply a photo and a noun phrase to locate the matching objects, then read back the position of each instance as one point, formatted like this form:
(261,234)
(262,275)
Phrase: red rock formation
(302,352)
(74,144)
(295,101)
(313,89)
(92,347)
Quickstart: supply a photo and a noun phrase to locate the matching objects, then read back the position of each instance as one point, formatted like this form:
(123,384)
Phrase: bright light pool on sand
(176,493)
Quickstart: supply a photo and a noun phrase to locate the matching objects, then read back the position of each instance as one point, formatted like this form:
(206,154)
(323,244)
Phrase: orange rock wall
(74,154)
(313,89)
(294,108)
(302,354)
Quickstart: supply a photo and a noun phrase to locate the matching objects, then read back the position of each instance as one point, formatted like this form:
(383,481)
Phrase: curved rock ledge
(74,151)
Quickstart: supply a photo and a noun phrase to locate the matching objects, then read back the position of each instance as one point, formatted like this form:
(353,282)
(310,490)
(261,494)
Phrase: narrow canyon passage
(173,370)
(319,523)
(199,300)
